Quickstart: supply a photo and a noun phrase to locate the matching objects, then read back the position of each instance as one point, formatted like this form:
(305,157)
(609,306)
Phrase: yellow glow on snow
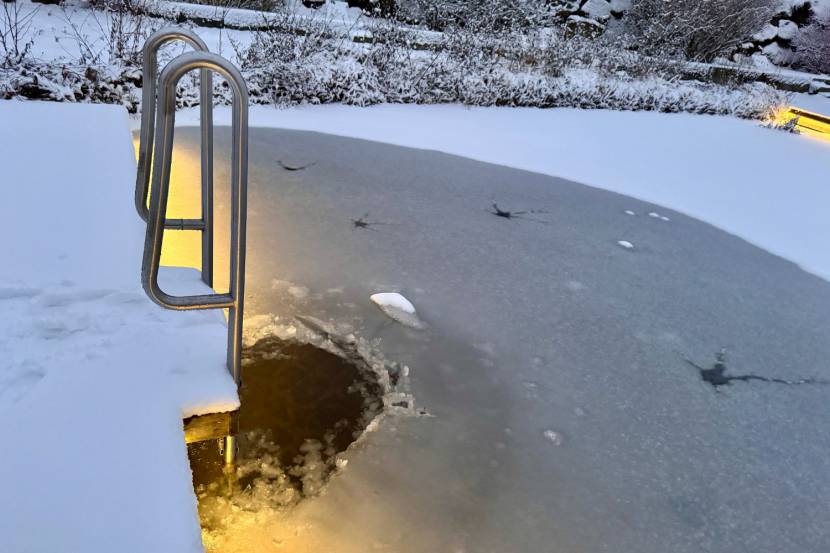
(808,123)
(182,248)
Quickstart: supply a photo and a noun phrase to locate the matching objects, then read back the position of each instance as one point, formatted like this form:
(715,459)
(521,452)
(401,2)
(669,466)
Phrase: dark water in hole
(301,405)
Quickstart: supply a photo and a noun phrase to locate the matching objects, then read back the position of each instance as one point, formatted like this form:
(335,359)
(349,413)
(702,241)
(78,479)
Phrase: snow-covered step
(94,378)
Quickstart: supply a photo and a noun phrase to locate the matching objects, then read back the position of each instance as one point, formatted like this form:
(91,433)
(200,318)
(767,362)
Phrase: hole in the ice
(301,407)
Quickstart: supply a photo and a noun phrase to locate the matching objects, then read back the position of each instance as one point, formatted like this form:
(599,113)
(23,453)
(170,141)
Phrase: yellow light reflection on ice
(182,248)
(808,123)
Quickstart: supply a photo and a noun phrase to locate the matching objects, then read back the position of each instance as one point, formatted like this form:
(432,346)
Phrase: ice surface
(733,174)
(544,326)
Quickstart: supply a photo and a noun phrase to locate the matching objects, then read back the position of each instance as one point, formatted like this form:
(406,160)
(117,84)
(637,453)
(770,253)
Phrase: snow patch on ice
(655,215)
(554,437)
(393,300)
(398,308)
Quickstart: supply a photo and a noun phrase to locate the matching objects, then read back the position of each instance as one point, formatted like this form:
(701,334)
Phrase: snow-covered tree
(812,47)
(698,29)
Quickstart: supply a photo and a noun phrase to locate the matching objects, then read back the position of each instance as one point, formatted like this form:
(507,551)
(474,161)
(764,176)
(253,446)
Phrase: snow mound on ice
(398,308)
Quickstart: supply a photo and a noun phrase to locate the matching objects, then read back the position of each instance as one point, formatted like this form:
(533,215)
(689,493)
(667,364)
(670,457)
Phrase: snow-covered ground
(766,186)
(94,378)
(67,32)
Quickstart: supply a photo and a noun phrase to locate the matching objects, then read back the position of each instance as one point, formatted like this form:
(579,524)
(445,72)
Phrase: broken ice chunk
(398,308)
(625,244)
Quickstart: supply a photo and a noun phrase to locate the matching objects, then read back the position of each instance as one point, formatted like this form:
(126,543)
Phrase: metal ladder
(160,164)
(145,146)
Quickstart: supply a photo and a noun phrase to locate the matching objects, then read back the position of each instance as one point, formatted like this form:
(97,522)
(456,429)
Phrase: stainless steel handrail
(145,145)
(157,214)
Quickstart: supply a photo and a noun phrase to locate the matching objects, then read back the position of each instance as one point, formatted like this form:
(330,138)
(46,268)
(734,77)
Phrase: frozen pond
(559,363)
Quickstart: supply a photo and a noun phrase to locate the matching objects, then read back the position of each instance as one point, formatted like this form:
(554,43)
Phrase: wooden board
(210,427)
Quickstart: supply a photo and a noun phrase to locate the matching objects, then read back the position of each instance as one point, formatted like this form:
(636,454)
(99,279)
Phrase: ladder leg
(230,453)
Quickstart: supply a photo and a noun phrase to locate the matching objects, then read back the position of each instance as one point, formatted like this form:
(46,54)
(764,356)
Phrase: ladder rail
(233,300)
(147,137)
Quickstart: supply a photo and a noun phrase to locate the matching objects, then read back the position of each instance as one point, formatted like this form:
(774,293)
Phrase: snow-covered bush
(383,8)
(472,14)
(16,33)
(72,83)
(119,29)
(541,69)
(259,5)
(812,47)
(308,60)
(697,29)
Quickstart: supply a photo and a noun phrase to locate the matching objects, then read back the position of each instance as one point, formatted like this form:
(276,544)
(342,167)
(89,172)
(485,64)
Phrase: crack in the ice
(505,214)
(365,223)
(717,377)
(296,167)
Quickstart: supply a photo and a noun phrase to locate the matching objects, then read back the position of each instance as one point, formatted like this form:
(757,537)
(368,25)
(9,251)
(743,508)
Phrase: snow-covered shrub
(383,8)
(72,83)
(472,14)
(259,5)
(698,29)
(307,60)
(118,31)
(541,69)
(812,47)
(16,33)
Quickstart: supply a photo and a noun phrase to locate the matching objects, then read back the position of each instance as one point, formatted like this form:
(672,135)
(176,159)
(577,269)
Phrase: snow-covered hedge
(301,60)
(102,84)
(503,69)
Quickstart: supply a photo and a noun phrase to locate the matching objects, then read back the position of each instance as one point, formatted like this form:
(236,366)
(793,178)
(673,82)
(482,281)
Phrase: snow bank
(767,187)
(94,378)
